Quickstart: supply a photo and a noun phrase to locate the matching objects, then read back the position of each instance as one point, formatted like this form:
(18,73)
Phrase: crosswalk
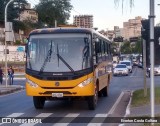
(51,119)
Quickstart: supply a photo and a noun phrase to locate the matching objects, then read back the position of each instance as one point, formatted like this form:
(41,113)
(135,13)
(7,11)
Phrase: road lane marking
(133,72)
(95,121)
(72,117)
(12,115)
(40,115)
(127,110)
(116,103)
(44,114)
(101,115)
(15,114)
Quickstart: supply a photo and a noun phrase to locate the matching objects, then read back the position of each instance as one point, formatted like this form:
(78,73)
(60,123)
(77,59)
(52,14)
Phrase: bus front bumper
(79,90)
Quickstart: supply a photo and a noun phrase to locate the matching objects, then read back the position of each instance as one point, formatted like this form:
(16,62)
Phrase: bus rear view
(59,65)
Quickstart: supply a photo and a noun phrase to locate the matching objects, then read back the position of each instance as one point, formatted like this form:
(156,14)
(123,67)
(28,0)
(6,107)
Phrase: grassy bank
(138,98)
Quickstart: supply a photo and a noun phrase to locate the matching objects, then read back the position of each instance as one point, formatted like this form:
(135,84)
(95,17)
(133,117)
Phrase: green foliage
(138,46)
(128,48)
(18,42)
(13,9)
(18,25)
(138,98)
(114,47)
(51,10)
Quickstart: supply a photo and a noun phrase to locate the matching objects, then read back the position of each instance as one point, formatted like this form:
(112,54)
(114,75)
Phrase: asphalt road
(20,105)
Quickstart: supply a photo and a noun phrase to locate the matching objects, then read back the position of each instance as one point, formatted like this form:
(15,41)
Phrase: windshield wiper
(61,58)
(85,52)
(29,57)
(48,58)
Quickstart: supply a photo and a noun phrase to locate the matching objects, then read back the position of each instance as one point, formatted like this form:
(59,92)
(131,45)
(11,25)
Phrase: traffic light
(145,29)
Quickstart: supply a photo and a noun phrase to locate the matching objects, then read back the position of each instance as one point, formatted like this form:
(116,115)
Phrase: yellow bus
(67,63)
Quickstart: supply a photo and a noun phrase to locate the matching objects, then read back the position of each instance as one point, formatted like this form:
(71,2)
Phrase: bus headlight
(84,83)
(32,84)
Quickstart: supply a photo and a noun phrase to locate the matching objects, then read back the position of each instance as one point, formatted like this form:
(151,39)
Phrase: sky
(107,14)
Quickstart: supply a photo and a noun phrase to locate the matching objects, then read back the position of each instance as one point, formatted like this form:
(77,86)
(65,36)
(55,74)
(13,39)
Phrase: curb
(128,106)
(127,109)
(7,90)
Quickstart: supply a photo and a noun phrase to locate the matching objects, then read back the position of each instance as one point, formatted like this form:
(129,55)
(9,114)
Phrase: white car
(156,70)
(128,63)
(121,69)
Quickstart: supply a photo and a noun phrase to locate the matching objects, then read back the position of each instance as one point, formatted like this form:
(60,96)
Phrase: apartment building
(29,14)
(132,28)
(84,21)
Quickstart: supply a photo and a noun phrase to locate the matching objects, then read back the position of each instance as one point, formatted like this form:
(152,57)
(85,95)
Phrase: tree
(125,48)
(138,46)
(13,10)
(51,10)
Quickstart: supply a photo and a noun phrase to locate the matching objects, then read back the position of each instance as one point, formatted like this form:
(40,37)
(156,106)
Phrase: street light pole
(152,91)
(5,21)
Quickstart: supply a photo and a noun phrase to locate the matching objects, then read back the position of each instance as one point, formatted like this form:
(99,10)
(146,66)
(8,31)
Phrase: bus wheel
(105,91)
(38,102)
(92,100)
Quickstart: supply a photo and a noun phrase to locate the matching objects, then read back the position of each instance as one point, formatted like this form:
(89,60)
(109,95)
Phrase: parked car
(128,64)
(121,69)
(156,70)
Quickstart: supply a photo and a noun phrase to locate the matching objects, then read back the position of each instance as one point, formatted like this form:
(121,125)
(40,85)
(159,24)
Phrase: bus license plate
(58,95)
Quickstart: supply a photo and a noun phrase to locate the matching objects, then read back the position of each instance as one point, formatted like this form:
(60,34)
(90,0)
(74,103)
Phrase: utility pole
(152,91)
(144,68)
(5,20)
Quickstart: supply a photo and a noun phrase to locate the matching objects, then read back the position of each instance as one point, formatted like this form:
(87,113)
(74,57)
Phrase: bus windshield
(59,52)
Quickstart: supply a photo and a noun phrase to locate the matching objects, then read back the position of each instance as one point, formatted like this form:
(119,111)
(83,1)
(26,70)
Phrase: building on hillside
(28,14)
(132,28)
(84,21)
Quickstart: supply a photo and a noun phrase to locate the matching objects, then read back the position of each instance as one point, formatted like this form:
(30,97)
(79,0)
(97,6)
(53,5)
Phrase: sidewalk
(12,88)
(9,89)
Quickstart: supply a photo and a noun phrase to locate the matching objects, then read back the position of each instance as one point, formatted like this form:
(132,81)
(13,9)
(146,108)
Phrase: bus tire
(105,91)
(92,100)
(38,102)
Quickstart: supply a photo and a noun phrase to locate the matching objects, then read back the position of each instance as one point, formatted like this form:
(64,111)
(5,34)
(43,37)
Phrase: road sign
(133,39)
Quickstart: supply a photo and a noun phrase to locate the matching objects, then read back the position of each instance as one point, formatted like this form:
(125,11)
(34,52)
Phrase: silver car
(121,69)
(156,70)
(128,63)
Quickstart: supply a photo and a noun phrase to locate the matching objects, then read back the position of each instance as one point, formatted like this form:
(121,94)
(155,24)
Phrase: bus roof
(66,30)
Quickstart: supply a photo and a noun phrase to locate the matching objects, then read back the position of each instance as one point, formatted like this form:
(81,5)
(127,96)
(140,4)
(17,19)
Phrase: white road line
(94,120)
(127,109)
(44,114)
(116,103)
(101,115)
(72,115)
(132,75)
(15,114)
